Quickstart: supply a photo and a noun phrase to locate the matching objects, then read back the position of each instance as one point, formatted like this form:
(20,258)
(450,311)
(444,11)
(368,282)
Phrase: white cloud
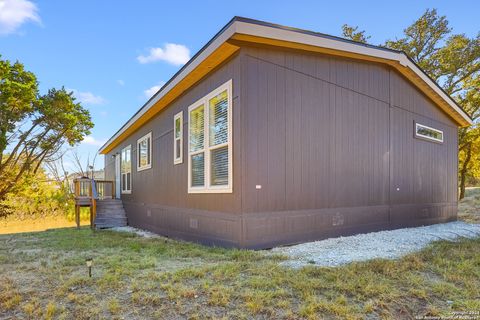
(151,91)
(87,97)
(121,82)
(14,13)
(93,142)
(176,54)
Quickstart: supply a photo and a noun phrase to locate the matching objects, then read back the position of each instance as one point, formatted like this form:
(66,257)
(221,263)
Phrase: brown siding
(307,137)
(328,139)
(159,200)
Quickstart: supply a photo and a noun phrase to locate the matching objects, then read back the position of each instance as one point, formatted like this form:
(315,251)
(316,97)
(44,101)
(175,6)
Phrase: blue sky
(113,54)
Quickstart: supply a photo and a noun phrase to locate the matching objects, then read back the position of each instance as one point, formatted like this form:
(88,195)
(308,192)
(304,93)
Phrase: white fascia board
(323,42)
(437,90)
(264,31)
(310,39)
(223,37)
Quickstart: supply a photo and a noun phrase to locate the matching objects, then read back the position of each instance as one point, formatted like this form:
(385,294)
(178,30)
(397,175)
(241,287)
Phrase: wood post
(93,213)
(77,215)
(90,195)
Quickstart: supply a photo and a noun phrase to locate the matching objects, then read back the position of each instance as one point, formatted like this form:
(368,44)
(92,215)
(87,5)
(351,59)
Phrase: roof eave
(311,39)
(221,37)
(245,29)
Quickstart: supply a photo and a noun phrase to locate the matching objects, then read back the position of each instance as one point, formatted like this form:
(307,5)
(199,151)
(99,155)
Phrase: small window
(428,133)
(144,152)
(178,138)
(126,170)
(209,142)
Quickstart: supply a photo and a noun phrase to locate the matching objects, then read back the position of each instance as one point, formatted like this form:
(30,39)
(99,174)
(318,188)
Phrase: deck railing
(105,189)
(87,192)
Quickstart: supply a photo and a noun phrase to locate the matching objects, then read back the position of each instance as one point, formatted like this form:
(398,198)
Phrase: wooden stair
(110,214)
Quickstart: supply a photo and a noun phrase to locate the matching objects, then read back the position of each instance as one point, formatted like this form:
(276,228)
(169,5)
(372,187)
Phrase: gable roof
(240,30)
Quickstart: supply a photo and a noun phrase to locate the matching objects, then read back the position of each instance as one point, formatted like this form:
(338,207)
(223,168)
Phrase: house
(272,135)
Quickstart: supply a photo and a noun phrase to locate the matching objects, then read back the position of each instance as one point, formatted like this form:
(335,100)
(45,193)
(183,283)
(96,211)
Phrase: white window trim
(149,165)
(126,191)
(206,149)
(417,125)
(179,159)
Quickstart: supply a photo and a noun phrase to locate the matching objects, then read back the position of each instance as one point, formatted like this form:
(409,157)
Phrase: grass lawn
(43,275)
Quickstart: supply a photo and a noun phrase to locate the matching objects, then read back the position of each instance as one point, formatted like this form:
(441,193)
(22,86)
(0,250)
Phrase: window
(178,138)
(126,170)
(210,142)
(429,133)
(144,152)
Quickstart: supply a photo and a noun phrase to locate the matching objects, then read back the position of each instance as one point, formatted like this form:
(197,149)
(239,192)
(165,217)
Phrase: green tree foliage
(352,33)
(33,127)
(453,61)
(422,41)
(37,195)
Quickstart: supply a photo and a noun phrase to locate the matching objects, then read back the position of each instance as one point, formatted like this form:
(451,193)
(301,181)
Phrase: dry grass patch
(50,310)
(469,207)
(12,225)
(43,275)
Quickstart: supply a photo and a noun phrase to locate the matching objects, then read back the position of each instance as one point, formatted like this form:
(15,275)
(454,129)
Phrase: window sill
(428,139)
(144,168)
(211,190)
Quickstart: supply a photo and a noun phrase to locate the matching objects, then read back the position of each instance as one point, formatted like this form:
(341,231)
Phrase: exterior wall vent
(338,219)
(193,223)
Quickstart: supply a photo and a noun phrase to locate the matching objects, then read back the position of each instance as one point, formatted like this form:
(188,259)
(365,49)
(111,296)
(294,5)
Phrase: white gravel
(139,232)
(384,244)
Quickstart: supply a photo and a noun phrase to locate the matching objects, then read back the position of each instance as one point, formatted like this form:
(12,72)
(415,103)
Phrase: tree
(33,127)
(453,61)
(351,33)
(37,195)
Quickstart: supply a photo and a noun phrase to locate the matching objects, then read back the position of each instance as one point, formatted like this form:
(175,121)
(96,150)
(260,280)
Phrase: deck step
(111,218)
(111,221)
(110,214)
(111,211)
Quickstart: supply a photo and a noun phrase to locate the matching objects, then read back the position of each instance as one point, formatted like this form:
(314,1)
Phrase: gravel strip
(391,244)
(139,232)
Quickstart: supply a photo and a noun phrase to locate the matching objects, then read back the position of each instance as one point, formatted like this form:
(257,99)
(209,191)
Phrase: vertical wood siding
(331,142)
(322,146)
(312,143)
(160,200)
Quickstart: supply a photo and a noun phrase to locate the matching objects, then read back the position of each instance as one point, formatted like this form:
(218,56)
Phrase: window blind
(197,146)
(218,138)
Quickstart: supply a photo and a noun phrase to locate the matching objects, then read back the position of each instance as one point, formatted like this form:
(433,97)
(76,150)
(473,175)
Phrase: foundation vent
(338,219)
(193,223)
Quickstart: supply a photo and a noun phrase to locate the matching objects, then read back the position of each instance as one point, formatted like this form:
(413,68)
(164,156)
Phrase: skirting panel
(209,228)
(266,230)
(269,229)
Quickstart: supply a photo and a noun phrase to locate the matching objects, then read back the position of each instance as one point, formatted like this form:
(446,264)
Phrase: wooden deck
(99,196)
